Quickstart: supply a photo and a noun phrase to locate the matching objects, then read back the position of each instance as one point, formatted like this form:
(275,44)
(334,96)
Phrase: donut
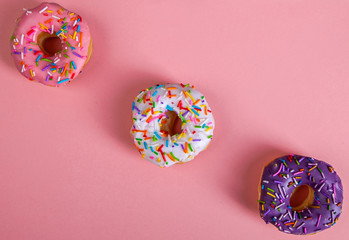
(172,123)
(300,195)
(50,44)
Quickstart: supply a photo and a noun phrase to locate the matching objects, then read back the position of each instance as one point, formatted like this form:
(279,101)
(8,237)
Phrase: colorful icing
(149,111)
(63,66)
(282,176)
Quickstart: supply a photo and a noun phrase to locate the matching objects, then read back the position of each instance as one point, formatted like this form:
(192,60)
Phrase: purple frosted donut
(316,209)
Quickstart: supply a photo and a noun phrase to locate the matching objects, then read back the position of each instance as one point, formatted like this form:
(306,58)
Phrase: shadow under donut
(247,192)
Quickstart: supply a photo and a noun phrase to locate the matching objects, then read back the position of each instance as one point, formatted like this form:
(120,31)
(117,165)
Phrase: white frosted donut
(151,113)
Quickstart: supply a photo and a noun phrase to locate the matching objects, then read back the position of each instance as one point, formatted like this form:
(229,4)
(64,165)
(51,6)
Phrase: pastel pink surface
(275,74)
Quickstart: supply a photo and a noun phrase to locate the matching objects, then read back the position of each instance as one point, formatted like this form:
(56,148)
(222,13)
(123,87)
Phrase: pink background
(275,72)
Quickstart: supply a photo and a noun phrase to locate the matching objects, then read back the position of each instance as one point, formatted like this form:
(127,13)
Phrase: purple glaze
(281,176)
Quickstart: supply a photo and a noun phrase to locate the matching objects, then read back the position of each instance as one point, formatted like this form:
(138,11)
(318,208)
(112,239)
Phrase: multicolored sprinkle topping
(57,22)
(149,114)
(282,176)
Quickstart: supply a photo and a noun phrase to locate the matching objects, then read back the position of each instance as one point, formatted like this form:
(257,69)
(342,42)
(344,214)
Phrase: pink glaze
(54,70)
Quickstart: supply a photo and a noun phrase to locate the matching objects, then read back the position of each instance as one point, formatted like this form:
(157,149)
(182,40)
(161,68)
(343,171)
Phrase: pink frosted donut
(50,44)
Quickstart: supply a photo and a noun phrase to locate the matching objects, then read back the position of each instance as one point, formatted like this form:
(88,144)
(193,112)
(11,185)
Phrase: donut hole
(302,197)
(172,124)
(49,44)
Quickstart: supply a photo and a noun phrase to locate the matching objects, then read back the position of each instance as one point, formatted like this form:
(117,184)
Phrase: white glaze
(199,124)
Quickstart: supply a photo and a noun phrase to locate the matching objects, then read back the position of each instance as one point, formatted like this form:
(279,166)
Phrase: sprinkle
(318,221)
(296,161)
(152,119)
(322,174)
(266,212)
(188,95)
(332,216)
(157,135)
(171,157)
(169,108)
(76,54)
(148,119)
(30,32)
(65,68)
(312,168)
(300,225)
(278,171)
(196,107)
(289,223)
(44,27)
(181,117)
(81,34)
(190,110)
(278,206)
(22,36)
(283,161)
(333,198)
(180,136)
(151,148)
(314,206)
(174,156)
(46,67)
(38,58)
(272,195)
(186,147)
(62,81)
(42,10)
(45,59)
(322,185)
(196,113)
(281,192)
